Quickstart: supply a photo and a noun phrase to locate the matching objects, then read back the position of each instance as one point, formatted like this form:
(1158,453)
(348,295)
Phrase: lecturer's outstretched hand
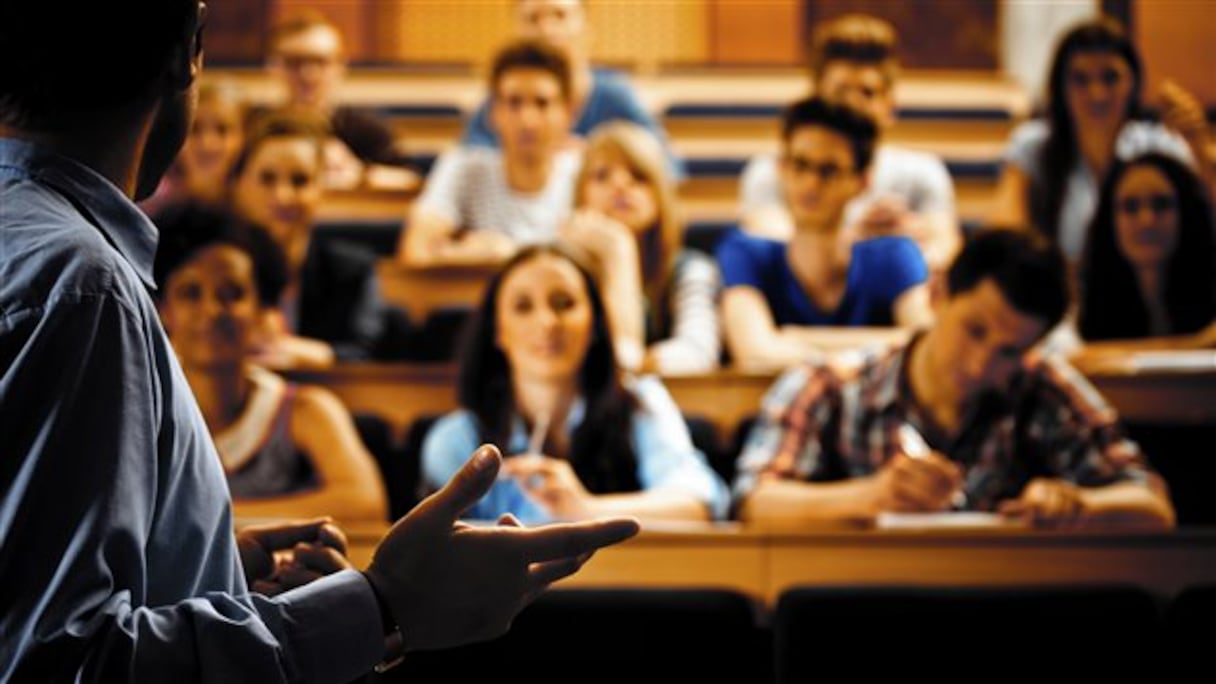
(449,583)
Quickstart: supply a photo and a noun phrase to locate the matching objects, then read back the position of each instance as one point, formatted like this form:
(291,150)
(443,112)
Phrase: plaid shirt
(1051,423)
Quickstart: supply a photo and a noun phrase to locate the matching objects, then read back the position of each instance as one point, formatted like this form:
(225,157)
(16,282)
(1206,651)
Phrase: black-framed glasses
(825,171)
(1158,204)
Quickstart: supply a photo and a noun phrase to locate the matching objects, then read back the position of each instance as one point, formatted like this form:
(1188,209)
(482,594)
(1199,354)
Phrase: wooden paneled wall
(1175,39)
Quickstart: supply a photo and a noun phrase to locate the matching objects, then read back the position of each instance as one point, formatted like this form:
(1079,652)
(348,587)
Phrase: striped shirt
(691,342)
(1050,423)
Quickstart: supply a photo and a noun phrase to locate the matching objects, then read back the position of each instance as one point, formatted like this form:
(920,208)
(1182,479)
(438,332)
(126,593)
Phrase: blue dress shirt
(117,557)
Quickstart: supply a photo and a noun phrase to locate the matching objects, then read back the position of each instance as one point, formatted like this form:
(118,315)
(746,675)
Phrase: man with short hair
(117,555)
(962,416)
(853,60)
(480,204)
(597,95)
(783,301)
(307,53)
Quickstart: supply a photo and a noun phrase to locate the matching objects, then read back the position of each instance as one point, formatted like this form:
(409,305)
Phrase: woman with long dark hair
(538,377)
(1054,165)
(1149,266)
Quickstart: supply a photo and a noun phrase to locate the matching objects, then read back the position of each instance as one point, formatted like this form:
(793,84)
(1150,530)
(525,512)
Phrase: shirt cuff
(335,627)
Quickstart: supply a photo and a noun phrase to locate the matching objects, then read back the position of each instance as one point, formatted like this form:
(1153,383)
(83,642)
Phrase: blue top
(117,556)
(880,270)
(665,454)
(611,98)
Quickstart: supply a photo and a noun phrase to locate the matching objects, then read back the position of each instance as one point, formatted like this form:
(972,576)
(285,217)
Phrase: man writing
(1026,437)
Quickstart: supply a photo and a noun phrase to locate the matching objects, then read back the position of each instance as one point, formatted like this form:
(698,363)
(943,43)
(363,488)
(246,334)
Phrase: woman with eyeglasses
(1149,267)
(1055,165)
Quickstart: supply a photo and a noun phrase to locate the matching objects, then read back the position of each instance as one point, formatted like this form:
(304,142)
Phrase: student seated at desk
(1148,272)
(597,95)
(854,60)
(481,204)
(288,450)
(538,377)
(331,307)
(200,171)
(1027,438)
(307,55)
(661,297)
(1054,165)
(779,296)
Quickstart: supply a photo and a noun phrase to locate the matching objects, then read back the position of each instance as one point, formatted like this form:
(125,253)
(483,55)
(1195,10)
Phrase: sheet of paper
(945,520)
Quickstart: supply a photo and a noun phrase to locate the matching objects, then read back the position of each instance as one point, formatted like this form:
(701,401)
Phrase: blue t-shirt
(611,98)
(880,270)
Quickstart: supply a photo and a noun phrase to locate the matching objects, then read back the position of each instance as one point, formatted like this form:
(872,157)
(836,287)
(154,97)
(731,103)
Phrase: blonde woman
(661,297)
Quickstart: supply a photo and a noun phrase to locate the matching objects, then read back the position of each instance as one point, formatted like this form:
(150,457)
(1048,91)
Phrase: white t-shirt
(468,187)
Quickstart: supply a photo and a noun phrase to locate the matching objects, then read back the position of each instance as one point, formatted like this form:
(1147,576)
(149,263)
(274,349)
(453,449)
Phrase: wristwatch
(394,640)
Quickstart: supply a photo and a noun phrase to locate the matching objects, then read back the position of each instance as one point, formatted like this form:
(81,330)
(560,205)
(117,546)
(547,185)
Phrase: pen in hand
(536,440)
(916,448)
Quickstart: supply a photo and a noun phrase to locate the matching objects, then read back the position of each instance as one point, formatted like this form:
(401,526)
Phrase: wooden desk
(1184,393)
(399,393)
(763,564)
(365,204)
(423,290)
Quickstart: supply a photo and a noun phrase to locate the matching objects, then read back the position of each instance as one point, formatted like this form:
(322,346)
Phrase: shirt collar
(519,431)
(100,202)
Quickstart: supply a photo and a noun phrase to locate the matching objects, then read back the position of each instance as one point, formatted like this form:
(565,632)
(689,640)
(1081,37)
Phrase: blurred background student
(854,60)
(661,297)
(480,204)
(597,95)
(539,378)
(288,450)
(200,171)
(1054,166)
(786,301)
(331,307)
(308,55)
(1148,272)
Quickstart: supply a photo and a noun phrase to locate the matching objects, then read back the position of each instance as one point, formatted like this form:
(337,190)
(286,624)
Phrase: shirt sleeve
(1025,144)
(666,456)
(759,185)
(898,265)
(84,599)
(786,441)
(739,262)
(1077,433)
(936,188)
(441,196)
(695,344)
(478,132)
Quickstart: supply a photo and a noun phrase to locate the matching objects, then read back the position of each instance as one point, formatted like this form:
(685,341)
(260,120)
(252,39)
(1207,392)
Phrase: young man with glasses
(780,296)
(853,61)
(308,55)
